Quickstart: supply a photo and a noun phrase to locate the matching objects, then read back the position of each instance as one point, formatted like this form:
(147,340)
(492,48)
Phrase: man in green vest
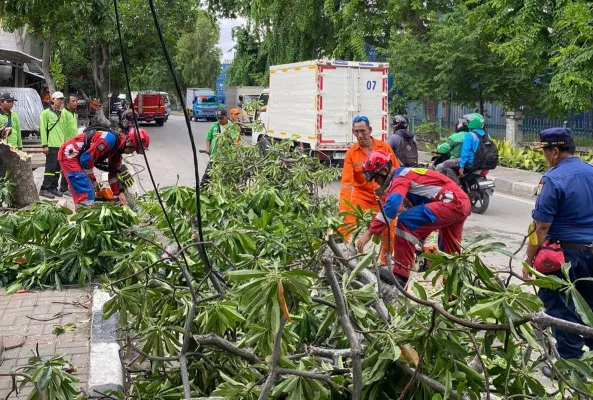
(70,130)
(51,128)
(10,126)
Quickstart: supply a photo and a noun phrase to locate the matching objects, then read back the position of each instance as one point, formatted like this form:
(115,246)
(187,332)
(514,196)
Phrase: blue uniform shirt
(469,147)
(566,200)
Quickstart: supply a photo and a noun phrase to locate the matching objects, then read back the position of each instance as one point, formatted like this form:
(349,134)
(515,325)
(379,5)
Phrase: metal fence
(582,131)
(438,130)
(581,124)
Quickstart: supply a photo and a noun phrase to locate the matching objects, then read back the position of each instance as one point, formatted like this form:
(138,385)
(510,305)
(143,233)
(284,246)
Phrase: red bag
(549,258)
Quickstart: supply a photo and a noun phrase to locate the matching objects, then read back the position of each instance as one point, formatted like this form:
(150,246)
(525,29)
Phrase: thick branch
(227,346)
(273,366)
(346,325)
(312,375)
(417,370)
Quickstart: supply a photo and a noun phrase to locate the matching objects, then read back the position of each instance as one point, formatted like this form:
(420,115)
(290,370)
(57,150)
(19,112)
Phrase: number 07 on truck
(314,102)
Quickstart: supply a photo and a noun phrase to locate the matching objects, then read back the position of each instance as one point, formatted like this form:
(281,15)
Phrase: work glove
(125,177)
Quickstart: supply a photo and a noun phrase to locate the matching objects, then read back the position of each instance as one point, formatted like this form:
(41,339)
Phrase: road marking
(510,197)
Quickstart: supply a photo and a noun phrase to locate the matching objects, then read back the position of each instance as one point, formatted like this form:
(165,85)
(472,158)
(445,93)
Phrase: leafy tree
(44,19)
(197,57)
(547,39)
(249,67)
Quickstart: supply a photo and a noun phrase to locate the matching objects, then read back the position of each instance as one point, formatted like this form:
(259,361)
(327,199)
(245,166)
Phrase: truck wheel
(160,122)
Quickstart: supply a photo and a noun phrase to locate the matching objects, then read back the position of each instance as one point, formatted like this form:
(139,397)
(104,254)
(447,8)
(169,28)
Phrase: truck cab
(205,107)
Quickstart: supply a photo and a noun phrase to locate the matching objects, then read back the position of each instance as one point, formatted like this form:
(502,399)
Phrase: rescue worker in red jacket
(99,147)
(438,204)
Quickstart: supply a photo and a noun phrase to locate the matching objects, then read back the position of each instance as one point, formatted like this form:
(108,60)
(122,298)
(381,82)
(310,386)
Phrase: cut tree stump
(18,163)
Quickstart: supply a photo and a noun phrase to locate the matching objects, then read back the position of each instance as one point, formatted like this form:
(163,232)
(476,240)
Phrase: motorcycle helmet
(373,162)
(399,122)
(461,125)
(474,121)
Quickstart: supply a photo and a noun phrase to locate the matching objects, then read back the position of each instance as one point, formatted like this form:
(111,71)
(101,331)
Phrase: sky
(226,42)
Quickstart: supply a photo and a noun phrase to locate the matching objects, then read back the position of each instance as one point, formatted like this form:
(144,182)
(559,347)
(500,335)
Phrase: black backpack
(407,154)
(103,163)
(486,156)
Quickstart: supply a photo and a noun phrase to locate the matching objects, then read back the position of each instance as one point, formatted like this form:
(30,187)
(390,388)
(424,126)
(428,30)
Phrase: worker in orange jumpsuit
(355,189)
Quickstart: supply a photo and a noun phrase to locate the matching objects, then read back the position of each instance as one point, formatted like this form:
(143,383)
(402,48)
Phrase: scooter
(474,183)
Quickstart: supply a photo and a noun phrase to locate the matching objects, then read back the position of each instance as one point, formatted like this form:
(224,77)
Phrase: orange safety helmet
(139,146)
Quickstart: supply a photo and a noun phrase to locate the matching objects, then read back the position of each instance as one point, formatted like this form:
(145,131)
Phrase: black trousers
(63,183)
(52,170)
(206,177)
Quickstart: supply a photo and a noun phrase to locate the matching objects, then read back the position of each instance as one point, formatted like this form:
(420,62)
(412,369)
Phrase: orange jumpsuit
(356,190)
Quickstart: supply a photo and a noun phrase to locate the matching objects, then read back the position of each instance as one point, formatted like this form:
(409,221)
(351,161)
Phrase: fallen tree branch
(433,320)
(312,375)
(273,366)
(346,325)
(227,346)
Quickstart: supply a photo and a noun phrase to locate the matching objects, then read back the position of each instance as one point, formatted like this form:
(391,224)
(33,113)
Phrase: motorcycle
(474,183)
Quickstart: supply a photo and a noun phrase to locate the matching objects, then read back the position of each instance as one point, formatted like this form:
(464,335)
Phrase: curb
(519,189)
(105,370)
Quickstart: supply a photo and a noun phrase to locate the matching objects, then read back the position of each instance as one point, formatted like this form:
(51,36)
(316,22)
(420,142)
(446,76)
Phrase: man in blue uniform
(563,216)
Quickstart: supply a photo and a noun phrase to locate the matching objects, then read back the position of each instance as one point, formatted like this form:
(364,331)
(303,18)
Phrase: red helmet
(139,146)
(374,161)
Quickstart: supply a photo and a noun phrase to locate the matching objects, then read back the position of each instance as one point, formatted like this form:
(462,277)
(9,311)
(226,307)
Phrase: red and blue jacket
(419,186)
(101,150)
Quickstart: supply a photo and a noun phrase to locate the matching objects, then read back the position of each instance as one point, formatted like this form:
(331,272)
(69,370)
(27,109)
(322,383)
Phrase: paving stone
(15,325)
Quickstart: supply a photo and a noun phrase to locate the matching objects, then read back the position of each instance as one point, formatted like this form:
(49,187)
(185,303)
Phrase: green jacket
(15,139)
(70,124)
(50,121)
(232,129)
(453,145)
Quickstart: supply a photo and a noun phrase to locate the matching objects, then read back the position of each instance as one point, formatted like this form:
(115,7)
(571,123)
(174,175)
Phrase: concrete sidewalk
(29,319)
(507,180)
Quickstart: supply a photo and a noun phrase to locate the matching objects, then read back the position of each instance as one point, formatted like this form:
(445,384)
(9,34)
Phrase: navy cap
(555,137)
(221,113)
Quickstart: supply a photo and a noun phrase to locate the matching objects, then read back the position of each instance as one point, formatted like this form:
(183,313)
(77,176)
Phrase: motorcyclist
(403,143)
(450,151)
(99,147)
(126,120)
(471,141)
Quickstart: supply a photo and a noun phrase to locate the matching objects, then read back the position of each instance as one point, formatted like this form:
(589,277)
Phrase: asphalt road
(171,161)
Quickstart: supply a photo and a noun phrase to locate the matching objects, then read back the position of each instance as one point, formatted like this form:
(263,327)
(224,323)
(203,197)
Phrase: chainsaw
(105,194)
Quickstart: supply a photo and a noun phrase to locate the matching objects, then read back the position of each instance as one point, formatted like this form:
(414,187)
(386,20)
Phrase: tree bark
(46,59)
(18,164)
(431,107)
(100,65)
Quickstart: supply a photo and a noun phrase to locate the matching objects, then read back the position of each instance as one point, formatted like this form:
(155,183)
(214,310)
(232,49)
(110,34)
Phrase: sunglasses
(359,118)
(235,114)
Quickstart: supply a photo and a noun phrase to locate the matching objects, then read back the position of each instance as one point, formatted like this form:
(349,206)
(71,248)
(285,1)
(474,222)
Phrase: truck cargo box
(314,102)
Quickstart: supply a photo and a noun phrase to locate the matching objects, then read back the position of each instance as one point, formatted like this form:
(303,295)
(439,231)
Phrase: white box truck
(236,96)
(314,102)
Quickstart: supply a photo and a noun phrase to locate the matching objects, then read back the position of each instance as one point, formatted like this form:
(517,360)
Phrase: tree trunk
(51,85)
(431,107)
(100,65)
(480,100)
(18,164)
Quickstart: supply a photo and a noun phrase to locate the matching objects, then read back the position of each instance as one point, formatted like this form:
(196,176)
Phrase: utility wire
(137,133)
(202,248)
